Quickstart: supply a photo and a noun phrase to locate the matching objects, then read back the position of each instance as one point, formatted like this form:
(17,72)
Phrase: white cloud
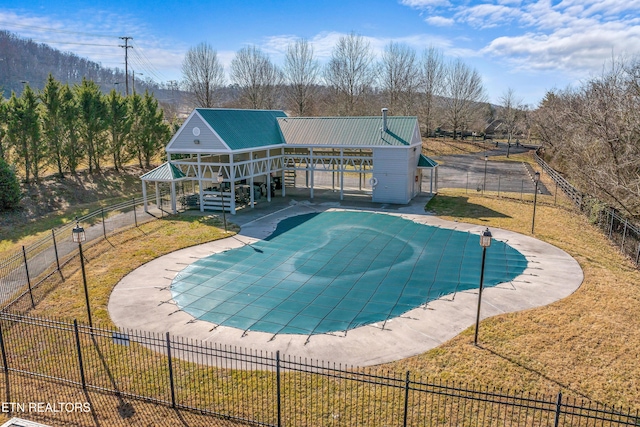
(569,50)
(425,4)
(439,21)
(488,15)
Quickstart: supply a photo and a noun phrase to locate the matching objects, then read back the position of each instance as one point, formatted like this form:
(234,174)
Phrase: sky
(530,46)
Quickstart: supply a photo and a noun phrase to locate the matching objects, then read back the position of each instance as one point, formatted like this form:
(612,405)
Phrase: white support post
(311,172)
(144,196)
(173,198)
(157,195)
(232,185)
(342,174)
(282,171)
(251,170)
(200,193)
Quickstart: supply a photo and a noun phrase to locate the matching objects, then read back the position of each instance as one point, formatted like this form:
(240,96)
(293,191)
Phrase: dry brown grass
(444,147)
(585,345)
(108,261)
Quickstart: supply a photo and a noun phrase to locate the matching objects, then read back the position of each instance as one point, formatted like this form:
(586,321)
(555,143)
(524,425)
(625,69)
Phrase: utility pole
(126,61)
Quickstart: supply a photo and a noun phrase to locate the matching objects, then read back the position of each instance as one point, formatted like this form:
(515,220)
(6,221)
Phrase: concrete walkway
(142,300)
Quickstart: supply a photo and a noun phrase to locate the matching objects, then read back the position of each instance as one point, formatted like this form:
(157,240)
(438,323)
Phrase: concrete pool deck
(143,301)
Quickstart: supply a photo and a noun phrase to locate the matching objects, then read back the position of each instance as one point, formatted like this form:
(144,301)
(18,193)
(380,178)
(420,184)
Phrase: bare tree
(463,94)
(591,134)
(349,72)
(203,74)
(432,82)
(510,114)
(301,72)
(399,77)
(257,76)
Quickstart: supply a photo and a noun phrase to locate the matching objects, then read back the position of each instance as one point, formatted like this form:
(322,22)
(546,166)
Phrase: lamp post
(78,237)
(486,159)
(485,242)
(224,215)
(536,179)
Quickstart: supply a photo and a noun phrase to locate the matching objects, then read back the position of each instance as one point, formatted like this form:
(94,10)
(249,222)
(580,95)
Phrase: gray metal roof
(166,172)
(348,131)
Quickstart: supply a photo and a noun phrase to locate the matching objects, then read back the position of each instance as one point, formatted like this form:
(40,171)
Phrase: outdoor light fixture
(485,242)
(79,236)
(78,233)
(486,159)
(536,179)
(224,215)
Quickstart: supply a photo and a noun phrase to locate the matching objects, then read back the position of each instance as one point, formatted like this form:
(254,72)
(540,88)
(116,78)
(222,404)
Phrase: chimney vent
(384,119)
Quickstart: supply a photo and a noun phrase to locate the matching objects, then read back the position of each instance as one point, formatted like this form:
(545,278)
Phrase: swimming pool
(335,271)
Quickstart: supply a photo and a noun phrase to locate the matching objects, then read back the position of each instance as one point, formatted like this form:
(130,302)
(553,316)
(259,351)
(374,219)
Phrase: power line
(126,60)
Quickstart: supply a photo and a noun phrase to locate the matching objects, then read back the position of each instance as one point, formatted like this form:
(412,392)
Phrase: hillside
(45,205)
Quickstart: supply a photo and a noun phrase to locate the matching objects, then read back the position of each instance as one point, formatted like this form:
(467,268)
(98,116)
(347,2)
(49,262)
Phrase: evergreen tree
(119,125)
(72,150)
(3,129)
(52,128)
(154,132)
(23,131)
(9,187)
(93,123)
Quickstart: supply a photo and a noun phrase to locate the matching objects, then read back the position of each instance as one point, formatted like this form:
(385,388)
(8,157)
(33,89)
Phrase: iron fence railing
(22,273)
(270,389)
(619,229)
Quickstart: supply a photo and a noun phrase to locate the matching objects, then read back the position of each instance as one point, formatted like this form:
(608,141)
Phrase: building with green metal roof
(231,157)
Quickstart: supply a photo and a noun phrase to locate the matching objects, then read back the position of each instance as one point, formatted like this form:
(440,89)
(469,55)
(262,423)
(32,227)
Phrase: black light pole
(535,200)
(78,237)
(486,159)
(224,215)
(485,242)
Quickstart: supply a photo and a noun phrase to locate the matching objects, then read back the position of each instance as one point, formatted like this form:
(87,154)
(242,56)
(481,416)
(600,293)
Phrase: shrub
(9,187)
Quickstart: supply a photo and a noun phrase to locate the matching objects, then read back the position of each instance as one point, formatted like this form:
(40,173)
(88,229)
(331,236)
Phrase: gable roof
(242,129)
(348,131)
(166,172)
(425,162)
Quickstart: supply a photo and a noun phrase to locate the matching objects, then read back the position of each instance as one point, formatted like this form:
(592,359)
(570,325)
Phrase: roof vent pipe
(384,119)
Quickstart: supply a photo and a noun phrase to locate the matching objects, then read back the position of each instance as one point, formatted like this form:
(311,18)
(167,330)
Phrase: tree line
(591,133)
(66,128)
(353,82)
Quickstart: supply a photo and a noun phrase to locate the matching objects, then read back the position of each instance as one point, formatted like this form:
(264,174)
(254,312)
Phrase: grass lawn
(585,345)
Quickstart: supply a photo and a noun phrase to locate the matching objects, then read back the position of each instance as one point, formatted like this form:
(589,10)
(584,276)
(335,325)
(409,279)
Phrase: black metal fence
(22,273)
(269,389)
(620,230)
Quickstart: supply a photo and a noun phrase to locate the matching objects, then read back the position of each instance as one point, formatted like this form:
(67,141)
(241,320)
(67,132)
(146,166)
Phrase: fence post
(135,217)
(5,364)
(279,402)
(406,400)
(26,267)
(638,254)
(555,195)
(80,364)
(624,235)
(104,227)
(55,248)
(171,385)
(611,225)
(558,410)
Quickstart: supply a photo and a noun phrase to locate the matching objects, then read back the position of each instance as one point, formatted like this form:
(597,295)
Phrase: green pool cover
(335,271)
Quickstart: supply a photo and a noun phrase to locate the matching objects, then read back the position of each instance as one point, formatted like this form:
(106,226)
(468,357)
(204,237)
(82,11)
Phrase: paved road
(472,172)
